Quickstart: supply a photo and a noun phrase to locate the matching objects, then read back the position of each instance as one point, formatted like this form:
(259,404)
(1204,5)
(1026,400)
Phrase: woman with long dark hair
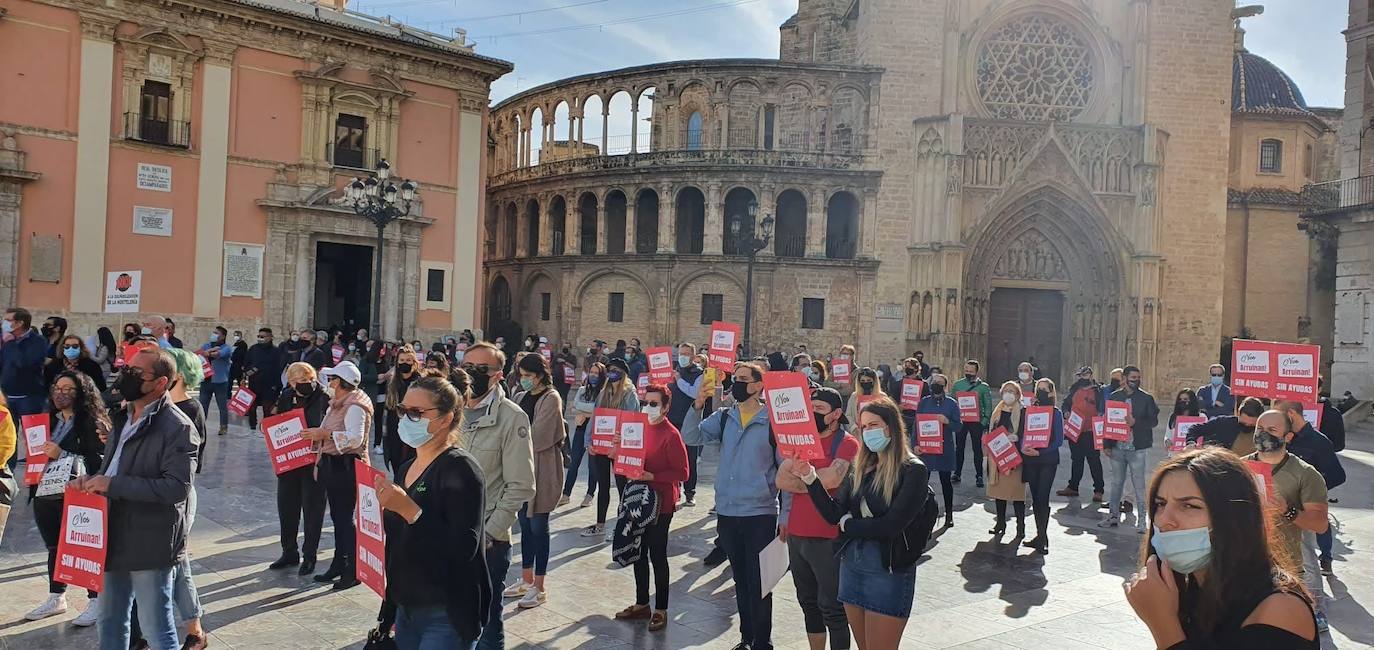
(1038,465)
(1210,577)
(74,357)
(618,394)
(579,418)
(1186,403)
(548,434)
(79,427)
(404,371)
(102,349)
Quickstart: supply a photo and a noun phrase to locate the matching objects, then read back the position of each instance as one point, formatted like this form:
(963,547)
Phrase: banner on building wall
(122,291)
(242,270)
(152,221)
(1275,370)
(157,178)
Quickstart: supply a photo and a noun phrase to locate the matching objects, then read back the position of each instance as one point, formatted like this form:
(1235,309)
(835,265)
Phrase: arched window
(739,224)
(558,217)
(646,222)
(790,233)
(691,221)
(532,228)
(694,131)
(1271,156)
(615,222)
(498,306)
(586,208)
(510,239)
(842,226)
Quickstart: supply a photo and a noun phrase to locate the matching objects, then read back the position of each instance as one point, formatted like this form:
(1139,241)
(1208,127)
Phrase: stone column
(572,244)
(13,176)
(601,225)
(605,124)
(631,216)
(465,294)
(521,229)
(92,165)
(634,127)
(715,221)
(815,223)
(667,219)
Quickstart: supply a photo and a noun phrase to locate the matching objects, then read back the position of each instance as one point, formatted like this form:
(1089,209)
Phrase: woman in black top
(1185,404)
(78,428)
(436,573)
(298,493)
(403,373)
(73,356)
(1210,578)
(883,494)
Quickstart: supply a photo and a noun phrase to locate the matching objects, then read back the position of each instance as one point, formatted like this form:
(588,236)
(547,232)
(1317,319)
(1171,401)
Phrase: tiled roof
(1258,86)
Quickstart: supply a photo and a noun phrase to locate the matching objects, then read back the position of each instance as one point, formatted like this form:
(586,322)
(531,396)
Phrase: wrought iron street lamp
(750,241)
(381,201)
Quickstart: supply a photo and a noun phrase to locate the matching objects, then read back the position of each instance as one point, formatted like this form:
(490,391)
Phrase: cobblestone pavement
(972,591)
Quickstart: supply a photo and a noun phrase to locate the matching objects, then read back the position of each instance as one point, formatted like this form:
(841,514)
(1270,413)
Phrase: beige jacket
(548,433)
(497,434)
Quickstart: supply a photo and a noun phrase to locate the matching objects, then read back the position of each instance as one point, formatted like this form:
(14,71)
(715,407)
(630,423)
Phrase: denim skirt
(865,583)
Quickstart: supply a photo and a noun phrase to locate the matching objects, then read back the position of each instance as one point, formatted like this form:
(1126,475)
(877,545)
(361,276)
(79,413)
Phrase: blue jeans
(427,628)
(19,407)
(534,541)
(221,394)
(1127,459)
(498,562)
(579,449)
(153,589)
(1324,544)
(183,583)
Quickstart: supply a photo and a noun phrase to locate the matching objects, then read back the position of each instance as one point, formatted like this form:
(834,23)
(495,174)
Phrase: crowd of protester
(479,437)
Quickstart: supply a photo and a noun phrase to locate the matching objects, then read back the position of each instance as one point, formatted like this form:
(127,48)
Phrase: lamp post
(381,201)
(751,241)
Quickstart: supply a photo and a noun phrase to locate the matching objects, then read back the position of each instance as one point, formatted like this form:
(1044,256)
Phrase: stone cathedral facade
(1020,179)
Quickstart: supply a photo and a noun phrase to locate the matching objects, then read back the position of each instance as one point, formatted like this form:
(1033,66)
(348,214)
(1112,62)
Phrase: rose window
(1035,68)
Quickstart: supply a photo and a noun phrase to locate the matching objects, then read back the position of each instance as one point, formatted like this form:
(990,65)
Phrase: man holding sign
(973,416)
(940,405)
(146,477)
(1128,456)
(746,497)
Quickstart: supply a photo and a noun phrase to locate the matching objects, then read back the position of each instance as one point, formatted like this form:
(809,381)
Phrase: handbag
(377,639)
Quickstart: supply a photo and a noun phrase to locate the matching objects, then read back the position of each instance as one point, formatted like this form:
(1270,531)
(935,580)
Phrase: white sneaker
(592,531)
(588,500)
(90,615)
(517,590)
(533,598)
(1112,521)
(610,534)
(563,501)
(55,605)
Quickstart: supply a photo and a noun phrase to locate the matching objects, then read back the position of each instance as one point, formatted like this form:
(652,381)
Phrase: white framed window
(435,281)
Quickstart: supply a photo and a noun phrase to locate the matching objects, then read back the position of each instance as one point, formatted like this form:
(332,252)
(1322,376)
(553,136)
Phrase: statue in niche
(1031,257)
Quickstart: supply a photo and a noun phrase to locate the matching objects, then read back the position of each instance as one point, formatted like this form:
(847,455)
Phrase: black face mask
(480,383)
(866,387)
(130,384)
(909,370)
(937,389)
(1247,428)
(821,426)
(404,368)
(970,376)
(305,389)
(1268,443)
(1134,384)
(740,391)
(1042,397)
(1115,384)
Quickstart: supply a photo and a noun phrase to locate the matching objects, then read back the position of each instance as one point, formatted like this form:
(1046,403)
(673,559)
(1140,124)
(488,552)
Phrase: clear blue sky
(1301,36)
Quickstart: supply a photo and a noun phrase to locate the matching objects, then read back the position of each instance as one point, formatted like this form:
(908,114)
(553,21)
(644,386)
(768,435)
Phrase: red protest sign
(1274,370)
(1039,422)
(911,393)
(1116,427)
(132,349)
(1099,433)
(930,434)
(1178,438)
(242,401)
(863,401)
(788,395)
(642,385)
(660,365)
(285,446)
(1073,426)
(724,338)
(629,455)
(841,370)
(968,406)
(1002,450)
(605,422)
(569,375)
(1264,478)
(545,352)
(83,541)
(336,351)
(36,434)
(370,566)
(206,368)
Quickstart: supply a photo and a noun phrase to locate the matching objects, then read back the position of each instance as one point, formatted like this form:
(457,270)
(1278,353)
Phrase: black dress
(1230,633)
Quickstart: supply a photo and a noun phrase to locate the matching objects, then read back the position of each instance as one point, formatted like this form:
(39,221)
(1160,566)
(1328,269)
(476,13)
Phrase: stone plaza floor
(971,590)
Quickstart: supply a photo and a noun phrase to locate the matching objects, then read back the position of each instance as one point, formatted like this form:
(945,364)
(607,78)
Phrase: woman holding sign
(79,428)
(867,389)
(1010,415)
(874,508)
(299,495)
(436,573)
(1041,436)
(341,438)
(619,394)
(940,405)
(579,417)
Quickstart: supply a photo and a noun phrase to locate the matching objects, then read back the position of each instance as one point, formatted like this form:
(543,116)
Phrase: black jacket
(84,365)
(886,523)
(1220,432)
(315,405)
(1333,425)
(1146,414)
(237,361)
(147,525)
(264,364)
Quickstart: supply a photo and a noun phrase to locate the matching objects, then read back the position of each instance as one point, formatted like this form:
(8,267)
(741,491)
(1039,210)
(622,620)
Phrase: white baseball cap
(345,371)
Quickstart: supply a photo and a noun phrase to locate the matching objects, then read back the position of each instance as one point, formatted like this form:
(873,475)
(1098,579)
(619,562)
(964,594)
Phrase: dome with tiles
(1259,86)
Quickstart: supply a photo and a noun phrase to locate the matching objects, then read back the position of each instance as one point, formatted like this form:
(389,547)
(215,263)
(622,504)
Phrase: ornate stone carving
(1035,68)
(1106,157)
(1031,257)
(992,151)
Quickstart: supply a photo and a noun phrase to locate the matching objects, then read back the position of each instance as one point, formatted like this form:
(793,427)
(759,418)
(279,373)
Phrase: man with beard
(1086,398)
(1234,432)
(1298,493)
(54,329)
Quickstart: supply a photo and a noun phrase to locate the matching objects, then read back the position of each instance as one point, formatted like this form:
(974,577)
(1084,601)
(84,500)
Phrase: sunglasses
(653,404)
(413,415)
(71,347)
(479,368)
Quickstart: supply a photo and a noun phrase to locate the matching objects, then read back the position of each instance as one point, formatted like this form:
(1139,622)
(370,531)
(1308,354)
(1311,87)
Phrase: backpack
(907,548)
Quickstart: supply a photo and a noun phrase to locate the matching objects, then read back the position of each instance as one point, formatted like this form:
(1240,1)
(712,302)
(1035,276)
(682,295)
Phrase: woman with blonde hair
(885,492)
(1009,415)
(299,495)
(618,394)
(404,370)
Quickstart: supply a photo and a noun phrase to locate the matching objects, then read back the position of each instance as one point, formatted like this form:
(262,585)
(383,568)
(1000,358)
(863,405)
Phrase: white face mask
(1025,376)
(1009,398)
(653,413)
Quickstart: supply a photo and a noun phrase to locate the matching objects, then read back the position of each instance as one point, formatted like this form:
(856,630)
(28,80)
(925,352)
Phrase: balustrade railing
(1344,194)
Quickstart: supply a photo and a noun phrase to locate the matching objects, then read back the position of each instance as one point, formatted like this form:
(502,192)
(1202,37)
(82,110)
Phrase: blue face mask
(1216,381)
(683,360)
(414,434)
(593,379)
(8,327)
(71,353)
(526,383)
(1186,551)
(876,440)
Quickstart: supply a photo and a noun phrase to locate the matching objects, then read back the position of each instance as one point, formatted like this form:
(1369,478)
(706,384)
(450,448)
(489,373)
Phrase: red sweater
(666,459)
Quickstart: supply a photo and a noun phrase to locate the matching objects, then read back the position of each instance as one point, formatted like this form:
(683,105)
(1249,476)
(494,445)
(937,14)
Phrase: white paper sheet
(772,564)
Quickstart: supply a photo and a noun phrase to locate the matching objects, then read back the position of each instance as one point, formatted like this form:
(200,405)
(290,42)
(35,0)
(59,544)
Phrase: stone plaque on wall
(242,270)
(887,317)
(45,258)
